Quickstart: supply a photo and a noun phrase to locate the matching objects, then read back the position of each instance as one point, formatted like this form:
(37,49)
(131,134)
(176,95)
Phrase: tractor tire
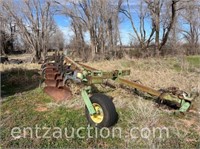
(106,115)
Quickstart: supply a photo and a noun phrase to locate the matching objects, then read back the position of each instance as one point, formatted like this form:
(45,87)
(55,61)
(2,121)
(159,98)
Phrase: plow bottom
(54,84)
(59,94)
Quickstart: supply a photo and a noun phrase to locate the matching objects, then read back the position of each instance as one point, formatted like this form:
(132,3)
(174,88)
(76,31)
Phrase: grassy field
(25,105)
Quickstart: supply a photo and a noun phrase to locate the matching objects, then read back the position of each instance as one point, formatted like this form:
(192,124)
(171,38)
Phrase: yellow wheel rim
(98,116)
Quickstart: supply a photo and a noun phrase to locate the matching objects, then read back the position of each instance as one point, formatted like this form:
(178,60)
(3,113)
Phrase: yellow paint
(99,115)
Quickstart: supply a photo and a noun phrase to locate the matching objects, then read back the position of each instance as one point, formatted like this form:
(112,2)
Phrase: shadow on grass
(17,80)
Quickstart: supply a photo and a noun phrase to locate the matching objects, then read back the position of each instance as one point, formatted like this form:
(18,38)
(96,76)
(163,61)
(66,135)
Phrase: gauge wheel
(105,115)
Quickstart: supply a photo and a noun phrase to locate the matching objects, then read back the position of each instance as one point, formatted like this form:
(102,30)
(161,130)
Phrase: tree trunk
(157,23)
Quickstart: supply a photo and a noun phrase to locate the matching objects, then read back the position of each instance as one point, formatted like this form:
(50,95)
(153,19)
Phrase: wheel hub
(98,116)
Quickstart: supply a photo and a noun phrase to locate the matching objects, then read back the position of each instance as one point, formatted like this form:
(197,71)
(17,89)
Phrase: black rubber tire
(110,114)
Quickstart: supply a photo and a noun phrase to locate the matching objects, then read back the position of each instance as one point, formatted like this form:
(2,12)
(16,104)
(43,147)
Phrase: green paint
(171,98)
(87,101)
(184,106)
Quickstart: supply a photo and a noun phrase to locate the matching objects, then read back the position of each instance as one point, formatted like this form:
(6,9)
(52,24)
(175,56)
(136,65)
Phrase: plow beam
(87,67)
(183,104)
(97,77)
(139,87)
(73,63)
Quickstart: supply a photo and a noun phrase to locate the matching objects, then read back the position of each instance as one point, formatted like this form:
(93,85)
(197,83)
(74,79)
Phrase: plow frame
(88,76)
(94,76)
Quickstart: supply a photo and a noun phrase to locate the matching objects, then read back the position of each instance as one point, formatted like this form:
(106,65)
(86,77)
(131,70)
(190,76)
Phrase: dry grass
(155,73)
(25,58)
(25,66)
(144,113)
(141,113)
(134,111)
(20,56)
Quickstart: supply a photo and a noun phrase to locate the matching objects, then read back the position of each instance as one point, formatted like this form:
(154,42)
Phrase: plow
(60,71)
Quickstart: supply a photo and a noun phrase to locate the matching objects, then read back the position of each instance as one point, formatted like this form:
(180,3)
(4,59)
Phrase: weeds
(17,80)
(30,107)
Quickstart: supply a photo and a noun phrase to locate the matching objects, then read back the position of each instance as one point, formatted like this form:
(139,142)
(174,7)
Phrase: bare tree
(57,41)
(7,33)
(97,17)
(34,22)
(191,30)
(141,9)
(154,10)
(166,24)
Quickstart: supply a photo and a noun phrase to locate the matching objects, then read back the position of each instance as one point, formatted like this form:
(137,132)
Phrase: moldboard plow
(53,73)
(58,71)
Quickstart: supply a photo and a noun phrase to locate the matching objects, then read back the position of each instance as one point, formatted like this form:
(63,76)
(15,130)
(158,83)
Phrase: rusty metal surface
(54,86)
(87,67)
(58,94)
(68,60)
(52,83)
(51,67)
(49,70)
(51,76)
(59,77)
(60,84)
(139,87)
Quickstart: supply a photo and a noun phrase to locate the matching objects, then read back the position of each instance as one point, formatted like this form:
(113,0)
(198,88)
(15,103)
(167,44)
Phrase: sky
(124,27)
